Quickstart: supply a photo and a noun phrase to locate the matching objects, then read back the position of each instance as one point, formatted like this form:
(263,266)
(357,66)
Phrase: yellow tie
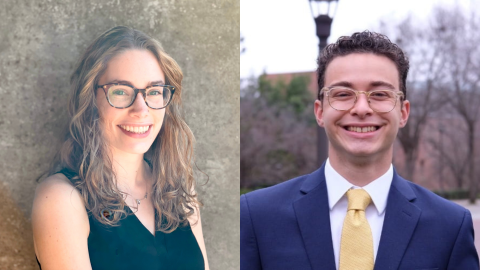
(356,246)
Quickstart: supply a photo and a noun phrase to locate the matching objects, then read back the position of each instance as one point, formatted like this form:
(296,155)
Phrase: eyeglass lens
(379,100)
(122,96)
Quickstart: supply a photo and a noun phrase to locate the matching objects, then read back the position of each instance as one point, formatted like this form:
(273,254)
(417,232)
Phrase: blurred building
(287,77)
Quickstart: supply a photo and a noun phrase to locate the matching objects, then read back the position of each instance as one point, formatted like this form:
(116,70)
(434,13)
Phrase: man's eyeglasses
(343,98)
(122,96)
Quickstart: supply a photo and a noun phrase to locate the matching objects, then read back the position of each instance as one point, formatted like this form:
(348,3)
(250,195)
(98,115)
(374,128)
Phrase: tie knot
(358,199)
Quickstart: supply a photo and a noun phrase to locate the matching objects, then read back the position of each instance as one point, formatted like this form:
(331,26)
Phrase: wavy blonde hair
(84,152)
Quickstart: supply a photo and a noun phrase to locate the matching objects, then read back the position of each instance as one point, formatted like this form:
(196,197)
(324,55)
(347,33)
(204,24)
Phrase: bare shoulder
(58,192)
(196,226)
(60,225)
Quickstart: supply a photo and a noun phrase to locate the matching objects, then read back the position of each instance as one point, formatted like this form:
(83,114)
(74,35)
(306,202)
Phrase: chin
(368,152)
(136,149)
(363,154)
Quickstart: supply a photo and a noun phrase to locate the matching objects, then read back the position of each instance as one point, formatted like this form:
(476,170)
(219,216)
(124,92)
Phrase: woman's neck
(131,172)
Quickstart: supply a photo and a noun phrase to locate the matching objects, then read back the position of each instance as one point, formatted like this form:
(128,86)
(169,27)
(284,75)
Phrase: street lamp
(323,12)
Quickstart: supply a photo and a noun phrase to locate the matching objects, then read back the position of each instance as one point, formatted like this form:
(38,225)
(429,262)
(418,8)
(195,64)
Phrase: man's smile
(363,129)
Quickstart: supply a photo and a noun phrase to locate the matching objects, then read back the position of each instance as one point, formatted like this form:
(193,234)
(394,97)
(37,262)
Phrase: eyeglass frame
(136,90)
(326,91)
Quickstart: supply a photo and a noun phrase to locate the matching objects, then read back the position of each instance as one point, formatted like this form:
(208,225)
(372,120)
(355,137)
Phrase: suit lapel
(401,219)
(313,217)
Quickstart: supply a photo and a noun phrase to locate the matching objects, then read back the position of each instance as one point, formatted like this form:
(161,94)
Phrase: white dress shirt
(337,186)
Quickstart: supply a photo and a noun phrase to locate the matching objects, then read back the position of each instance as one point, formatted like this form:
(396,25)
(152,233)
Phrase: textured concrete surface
(16,247)
(39,44)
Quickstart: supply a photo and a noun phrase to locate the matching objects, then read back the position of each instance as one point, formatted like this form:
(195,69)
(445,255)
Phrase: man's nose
(361,106)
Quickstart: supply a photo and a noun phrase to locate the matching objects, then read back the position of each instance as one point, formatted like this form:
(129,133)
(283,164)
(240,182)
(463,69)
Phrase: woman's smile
(136,131)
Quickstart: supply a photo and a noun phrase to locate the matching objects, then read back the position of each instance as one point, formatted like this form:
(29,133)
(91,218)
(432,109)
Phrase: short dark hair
(363,42)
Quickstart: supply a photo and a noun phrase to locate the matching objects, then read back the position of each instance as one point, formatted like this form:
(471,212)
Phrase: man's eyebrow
(342,83)
(382,84)
(372,84)
(131,84)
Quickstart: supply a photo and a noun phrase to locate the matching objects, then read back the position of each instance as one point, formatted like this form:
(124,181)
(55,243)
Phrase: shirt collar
(378,189)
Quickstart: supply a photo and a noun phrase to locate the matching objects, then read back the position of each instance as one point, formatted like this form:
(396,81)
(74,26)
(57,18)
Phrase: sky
(279,35)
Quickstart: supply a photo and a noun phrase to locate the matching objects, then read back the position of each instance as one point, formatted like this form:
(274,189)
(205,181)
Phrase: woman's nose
(139,106)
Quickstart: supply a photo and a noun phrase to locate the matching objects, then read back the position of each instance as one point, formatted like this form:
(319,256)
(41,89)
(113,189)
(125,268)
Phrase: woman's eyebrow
(156,82)
(121,81)
(131,84)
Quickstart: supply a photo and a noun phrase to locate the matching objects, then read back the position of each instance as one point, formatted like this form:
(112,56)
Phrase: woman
(121,195)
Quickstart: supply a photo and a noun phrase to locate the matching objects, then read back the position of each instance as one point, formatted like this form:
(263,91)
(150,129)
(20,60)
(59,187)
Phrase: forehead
(137,66)
(362,69)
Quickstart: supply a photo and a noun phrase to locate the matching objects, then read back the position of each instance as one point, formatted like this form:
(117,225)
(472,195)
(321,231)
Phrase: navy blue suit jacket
(287,226)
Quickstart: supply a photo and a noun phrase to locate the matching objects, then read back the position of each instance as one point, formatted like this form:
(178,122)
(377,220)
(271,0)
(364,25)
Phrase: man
(356,212)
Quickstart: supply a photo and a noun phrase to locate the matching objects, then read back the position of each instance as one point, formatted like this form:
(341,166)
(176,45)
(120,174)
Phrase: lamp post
(323,12)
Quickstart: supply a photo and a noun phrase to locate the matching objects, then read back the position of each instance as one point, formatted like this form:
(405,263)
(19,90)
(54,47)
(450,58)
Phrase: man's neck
(360,171)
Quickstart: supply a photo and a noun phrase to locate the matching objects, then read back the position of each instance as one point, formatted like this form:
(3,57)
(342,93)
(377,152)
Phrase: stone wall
(40,41)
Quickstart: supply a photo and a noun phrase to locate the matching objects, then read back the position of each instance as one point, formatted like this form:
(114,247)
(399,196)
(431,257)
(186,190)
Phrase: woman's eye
(154,93)
(119,93)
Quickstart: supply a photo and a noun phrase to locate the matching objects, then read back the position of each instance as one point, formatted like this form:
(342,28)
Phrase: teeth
(138,130)
(362,129)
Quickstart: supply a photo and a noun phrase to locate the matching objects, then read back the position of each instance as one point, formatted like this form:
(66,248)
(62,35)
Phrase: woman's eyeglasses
(122,96)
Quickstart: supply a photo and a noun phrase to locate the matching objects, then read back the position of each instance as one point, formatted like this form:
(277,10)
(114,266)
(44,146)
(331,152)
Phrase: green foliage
(246,190)
(294,95)
(277,131)
(455,194)
(277,156)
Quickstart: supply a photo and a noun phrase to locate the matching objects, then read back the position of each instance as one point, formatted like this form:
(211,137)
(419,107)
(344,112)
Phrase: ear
(405,112)
(318,110)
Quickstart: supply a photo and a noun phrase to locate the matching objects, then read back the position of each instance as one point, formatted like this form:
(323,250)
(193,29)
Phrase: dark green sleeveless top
(131,246)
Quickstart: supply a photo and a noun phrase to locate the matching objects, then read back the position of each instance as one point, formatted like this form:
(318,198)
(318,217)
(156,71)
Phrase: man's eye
(340,94)
(381,94)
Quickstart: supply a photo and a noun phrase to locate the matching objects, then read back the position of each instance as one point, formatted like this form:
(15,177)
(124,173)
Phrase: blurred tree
(242,45)
(423,88)
(444,82)
(276,132)
(449,148)
(293,95)
(459,38)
